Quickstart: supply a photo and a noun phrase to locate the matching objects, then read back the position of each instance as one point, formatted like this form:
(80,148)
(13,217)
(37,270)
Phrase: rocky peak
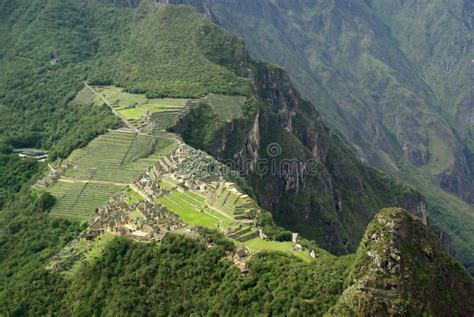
(400,269)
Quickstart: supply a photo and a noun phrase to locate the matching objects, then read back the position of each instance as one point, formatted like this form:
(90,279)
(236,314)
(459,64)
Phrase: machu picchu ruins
(141,182)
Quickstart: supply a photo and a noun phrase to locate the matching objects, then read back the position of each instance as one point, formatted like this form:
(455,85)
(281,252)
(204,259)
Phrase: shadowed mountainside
(393,76)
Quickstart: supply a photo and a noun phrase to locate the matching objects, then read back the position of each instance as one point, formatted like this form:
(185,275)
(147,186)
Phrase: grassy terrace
(134,107)
(163,111)
(227,108)
(165,119)
(192,209)
(86,97)
(78,201)
(231,202)
(258,245)
(108,163)
(117,157)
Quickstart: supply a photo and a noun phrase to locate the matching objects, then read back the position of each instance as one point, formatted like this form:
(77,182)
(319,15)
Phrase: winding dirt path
(98,94)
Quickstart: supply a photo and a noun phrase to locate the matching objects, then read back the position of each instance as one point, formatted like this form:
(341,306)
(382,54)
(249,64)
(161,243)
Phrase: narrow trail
(90,181)
(127,123)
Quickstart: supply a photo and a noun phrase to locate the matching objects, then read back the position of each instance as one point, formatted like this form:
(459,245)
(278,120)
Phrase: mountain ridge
(363,73)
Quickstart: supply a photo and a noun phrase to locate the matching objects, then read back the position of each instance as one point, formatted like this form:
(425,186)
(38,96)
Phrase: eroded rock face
(456,181)
(401,269)
(405,103)
(312,182)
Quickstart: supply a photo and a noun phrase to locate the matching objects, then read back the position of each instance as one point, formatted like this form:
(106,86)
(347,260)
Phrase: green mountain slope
(333,206)
(401,269)
(438,37)
(393,77)
(173,51)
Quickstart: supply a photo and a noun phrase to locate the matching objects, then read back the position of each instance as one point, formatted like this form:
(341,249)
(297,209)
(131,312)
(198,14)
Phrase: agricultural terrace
(86,97)
(118,157)
(136,108)
(227,108)
(111,161)
(102,168)
(194,209)
(78,200)
(259,245)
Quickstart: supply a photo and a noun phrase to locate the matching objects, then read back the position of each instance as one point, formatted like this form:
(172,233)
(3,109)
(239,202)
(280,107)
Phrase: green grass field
(131,113)
(116,96)
(188,213)
(259,245)
(191,208)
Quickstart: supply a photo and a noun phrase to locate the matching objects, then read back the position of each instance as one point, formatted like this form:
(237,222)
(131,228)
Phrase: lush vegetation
(35,91)
(309,206)
(392,76)
(28,238)
(14,172)
(182,276)
(48,49)
(401,261)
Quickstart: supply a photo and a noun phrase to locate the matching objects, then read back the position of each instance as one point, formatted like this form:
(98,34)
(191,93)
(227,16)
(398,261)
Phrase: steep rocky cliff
(392,101)
(402,270)
(392,76)
(299,169)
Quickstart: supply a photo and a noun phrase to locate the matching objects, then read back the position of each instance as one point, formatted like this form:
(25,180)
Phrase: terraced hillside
(227,198)
(78,200)
(117,157)
(194,210)
(227,108)
(102,168)
(182,182)
(51,46)
(138,109)
(112,161)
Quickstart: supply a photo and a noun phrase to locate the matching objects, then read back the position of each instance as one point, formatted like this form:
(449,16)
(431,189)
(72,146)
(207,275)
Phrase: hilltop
(401,268)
